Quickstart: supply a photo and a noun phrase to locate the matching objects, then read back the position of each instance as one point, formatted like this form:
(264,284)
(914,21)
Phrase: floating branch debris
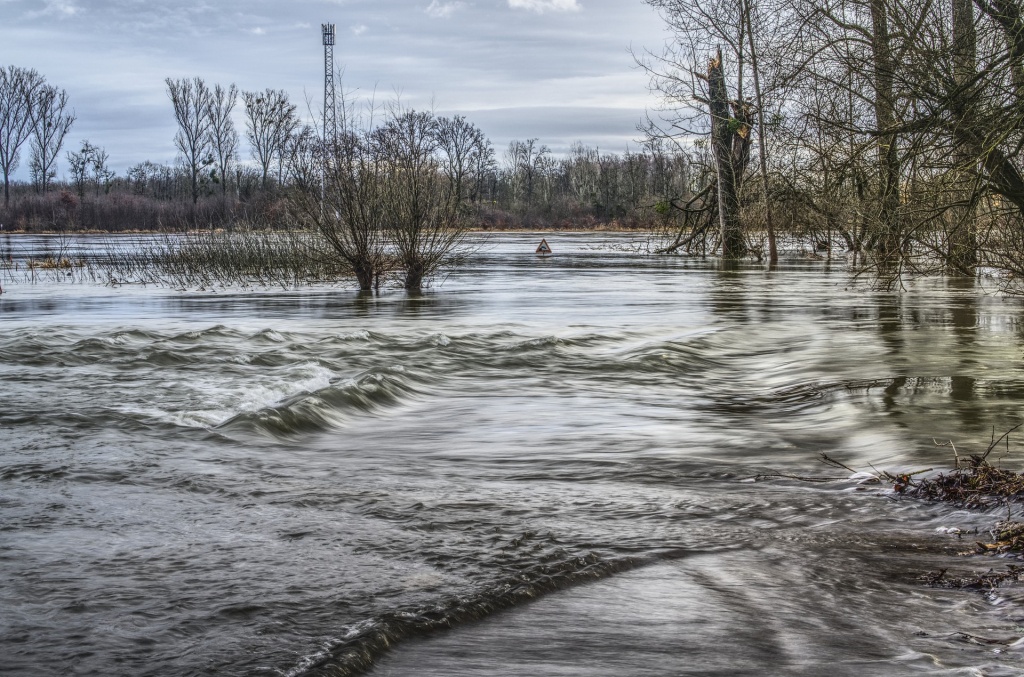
(974,484)
(986,582)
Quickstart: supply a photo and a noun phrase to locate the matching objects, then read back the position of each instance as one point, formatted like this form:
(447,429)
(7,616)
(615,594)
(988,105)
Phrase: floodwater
(539,467)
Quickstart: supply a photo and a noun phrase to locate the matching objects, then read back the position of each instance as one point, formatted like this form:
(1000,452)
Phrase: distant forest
(226,178)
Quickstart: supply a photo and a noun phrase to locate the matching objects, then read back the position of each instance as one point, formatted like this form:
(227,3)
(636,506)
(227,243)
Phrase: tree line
(213,185)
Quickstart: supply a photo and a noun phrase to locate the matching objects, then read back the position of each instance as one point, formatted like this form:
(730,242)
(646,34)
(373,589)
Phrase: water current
(537,467)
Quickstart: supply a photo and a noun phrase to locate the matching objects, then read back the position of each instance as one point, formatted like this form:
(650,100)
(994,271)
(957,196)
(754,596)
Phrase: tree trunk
(762,140)
(414,273)
(365,274)
(962,256)
(889,235)
(1007,13)
(723,130)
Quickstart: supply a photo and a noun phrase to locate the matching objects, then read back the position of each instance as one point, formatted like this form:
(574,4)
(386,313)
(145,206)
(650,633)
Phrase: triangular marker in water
(543,248)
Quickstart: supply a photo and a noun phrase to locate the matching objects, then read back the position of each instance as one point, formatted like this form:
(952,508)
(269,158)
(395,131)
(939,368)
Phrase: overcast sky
(558,70)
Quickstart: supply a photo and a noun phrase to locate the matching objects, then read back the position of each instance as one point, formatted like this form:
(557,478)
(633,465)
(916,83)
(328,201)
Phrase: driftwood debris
(973,484)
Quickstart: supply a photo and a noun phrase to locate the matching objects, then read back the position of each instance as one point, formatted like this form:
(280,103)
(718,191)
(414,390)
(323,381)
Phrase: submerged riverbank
(247,481)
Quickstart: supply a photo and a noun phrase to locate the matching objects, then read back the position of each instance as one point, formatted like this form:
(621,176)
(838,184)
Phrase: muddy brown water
(538,467)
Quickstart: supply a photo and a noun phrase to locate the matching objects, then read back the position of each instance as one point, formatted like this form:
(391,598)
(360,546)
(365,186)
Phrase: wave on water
(328,406)
(366,642)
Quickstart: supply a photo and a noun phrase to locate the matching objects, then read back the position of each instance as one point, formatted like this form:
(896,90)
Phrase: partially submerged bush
(388,197)
(217,258)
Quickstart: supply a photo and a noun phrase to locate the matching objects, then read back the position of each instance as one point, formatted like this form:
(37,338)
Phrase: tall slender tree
(51,122)
(18,88)
(223,137)
(962,254)
(890,238)
(191,101)
(762,133)
(271,120)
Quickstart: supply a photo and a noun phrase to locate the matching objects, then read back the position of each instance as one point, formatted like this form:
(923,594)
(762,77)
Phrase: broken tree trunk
(730,155)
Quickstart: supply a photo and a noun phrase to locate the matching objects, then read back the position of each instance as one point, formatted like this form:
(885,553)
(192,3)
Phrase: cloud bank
(442,10)
(541,6)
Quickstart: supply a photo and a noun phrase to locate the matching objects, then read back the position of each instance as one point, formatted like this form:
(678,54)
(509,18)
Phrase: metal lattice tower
(330,112)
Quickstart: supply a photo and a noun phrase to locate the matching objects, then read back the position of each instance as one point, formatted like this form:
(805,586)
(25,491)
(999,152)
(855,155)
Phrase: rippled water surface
(539,467)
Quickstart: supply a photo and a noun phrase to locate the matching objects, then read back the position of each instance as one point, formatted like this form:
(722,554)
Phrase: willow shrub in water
(220,258)
(388,197)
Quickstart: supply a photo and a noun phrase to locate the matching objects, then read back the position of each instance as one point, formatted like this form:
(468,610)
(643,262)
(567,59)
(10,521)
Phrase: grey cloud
(519,73)
(443,10)
(541,6)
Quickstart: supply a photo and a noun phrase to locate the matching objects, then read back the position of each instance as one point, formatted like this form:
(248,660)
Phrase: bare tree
(762,133)
(271,121)
(422,207)
(962,255)
(385,196)
(102,174)
(524,161)
(223,137)
(191,101)
(730,142)
(304,145)
(51,122)
(883,74)
(709,105)
(337,191)
(465,151)
(79,164)
(17,95)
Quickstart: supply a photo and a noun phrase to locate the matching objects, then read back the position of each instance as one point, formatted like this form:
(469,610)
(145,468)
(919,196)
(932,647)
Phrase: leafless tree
(422,203)
(51,122)
(102,174)
(271,121)
(387,196)
(79,164)
(18,88)
(337,192)
(524,162)
(223,137)
(303,147)
(730,144)
(466,152)
(191,101)
(701,78)
(762,132)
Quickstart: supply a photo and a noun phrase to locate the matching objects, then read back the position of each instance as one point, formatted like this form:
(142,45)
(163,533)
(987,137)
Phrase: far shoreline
(203,231)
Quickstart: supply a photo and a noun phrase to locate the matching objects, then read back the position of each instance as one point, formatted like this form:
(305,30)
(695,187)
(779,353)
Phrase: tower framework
(330,112)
